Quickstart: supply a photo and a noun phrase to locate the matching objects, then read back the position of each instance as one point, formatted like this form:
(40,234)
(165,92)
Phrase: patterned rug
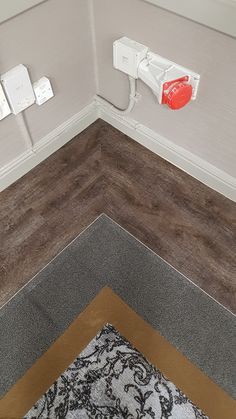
(111,379)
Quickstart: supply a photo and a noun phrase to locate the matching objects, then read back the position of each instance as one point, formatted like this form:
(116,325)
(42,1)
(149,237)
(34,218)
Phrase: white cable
(23,126)
(132,99)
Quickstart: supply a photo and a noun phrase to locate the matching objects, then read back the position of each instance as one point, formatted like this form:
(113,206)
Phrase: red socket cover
(177,93)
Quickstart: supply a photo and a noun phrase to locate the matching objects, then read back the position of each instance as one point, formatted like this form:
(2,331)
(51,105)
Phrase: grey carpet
(111,379)
(105,254)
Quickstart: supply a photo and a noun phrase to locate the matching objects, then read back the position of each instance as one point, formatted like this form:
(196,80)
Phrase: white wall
(52,39)
(11,142)
(12,8)
(207,128)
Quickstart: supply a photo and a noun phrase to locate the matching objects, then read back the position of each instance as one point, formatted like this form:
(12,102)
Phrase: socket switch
(43,90)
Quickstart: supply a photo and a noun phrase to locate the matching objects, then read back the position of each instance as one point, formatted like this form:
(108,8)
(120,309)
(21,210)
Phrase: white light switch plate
(43,90)
(4,107)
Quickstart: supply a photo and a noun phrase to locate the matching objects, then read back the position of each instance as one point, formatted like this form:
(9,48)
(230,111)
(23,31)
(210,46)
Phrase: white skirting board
(185,160)
(200,169)
(47,145)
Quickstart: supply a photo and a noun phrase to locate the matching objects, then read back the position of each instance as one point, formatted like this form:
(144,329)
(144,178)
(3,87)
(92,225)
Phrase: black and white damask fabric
(111,379)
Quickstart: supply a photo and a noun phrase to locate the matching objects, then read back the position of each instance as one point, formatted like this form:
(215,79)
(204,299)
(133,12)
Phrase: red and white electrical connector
(172,84)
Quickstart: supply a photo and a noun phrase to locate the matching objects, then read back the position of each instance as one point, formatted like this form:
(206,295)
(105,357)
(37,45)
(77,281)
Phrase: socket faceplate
(4,107)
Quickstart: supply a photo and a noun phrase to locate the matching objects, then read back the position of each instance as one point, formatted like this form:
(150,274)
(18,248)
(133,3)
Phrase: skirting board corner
(47,145)
(196,167)
(178,156)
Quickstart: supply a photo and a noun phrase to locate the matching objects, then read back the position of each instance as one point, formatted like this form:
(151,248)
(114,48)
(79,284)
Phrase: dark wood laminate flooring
(102,170)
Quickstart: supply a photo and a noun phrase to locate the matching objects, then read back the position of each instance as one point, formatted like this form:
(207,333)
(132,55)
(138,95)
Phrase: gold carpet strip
(109,308)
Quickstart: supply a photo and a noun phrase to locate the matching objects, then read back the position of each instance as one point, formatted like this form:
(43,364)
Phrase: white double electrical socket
(17,92)
(4,107)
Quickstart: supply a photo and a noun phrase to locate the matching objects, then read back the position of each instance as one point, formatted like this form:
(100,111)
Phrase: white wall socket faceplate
(4,107)
(18,88)
(43,90)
